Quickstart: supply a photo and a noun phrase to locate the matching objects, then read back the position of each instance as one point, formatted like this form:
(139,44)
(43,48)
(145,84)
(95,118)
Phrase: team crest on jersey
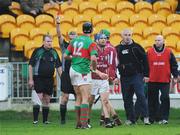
(125,51)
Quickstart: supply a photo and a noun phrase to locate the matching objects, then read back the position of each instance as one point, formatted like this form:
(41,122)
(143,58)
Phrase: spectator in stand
(33,7)
(178,8)
(62,1)
(5,8)
(162,63)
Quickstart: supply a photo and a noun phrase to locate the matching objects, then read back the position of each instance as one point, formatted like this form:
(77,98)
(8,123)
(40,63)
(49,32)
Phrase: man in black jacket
(5,8)
(133,69)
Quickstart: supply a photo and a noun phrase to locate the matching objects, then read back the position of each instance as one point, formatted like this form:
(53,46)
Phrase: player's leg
(45,108)
(85,92)
(114,115)
(77,106)
(36,109)
(91,101)
(63,107)
(104,102)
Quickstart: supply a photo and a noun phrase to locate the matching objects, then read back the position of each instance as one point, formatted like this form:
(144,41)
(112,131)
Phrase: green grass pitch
(20,123)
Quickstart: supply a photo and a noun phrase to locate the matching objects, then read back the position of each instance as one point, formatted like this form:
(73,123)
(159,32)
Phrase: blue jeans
(131,85)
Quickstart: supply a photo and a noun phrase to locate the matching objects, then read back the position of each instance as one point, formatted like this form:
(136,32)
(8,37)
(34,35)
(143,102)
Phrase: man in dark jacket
(5,7)
(133,69)
(33,7)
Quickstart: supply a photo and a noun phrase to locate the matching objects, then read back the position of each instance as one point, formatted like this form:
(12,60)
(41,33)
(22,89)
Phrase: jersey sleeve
(58,61)
(69,49)
(93,49)
(32,60)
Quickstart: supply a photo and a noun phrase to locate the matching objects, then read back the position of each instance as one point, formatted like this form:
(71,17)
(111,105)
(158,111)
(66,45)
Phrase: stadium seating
(94,1)
(178,46)
(162,8)
(53,33)
(37,35)
(115,36)
(138,21)
(173,4)
(107,8)
(144,8)
(78,1)
(88,8)
(70,10)
(157,21)
(16,8)
(171,35)
(173,20)
(100,21)
(66,22)
(26,22)
(45,22)
(80,19)
(137,34)
(150,33)
(29,48)
(125,8)
(51,9)
(7,23)
(146,44)
(120,21)
(18,38)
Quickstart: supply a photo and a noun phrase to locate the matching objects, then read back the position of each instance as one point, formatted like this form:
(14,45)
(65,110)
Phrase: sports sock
(36,109)
(78,113)
(84,114)
(102,117)
(63,110)
(45,112)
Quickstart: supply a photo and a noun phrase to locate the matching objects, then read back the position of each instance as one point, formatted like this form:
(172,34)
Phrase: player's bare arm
(31,81)
(59,34)
(59,70)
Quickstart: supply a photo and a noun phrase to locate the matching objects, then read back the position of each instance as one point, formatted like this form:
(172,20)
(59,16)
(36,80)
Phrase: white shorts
(79,79)
(99,86)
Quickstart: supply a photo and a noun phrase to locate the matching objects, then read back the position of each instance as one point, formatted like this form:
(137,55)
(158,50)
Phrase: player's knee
(105,101)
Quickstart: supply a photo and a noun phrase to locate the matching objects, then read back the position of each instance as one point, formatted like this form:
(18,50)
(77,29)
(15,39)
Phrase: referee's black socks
(45,112)
(36,109)
(63,110)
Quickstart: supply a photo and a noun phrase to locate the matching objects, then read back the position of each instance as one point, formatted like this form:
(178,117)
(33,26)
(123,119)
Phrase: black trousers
(158,108)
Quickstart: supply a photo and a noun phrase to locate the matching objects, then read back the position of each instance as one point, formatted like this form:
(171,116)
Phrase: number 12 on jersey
(77,48)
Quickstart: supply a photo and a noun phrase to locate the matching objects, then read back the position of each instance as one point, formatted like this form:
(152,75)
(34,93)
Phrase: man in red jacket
(162,63)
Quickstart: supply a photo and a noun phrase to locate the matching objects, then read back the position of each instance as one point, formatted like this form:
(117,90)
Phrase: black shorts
(43,85)
(66,85)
